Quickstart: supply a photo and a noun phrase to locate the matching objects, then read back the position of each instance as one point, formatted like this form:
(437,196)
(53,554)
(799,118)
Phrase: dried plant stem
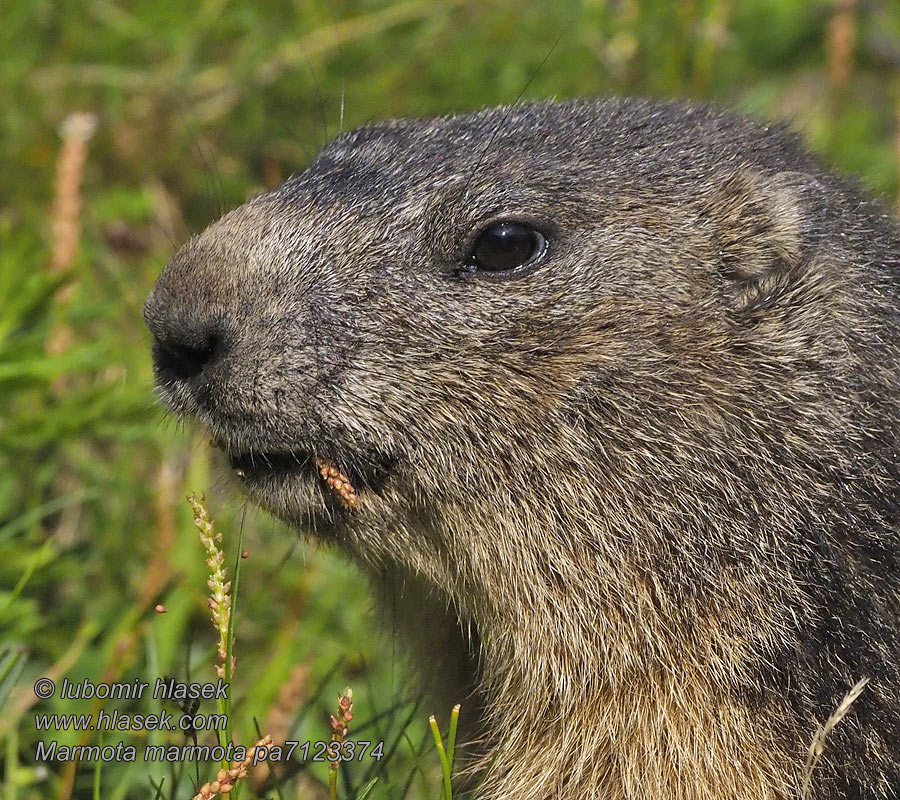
(227,778)
(278,721)
(817,747)
(338,483)
(339,728)
(219,585)
(158,572)
(76,131)
(290,698)
(841,43)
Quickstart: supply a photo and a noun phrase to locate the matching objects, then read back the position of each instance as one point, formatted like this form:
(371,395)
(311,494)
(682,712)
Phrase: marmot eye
(506,246)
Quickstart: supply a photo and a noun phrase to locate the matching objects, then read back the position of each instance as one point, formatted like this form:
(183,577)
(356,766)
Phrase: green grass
(199,107)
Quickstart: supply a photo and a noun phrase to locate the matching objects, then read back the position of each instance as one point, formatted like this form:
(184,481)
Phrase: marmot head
(575,361)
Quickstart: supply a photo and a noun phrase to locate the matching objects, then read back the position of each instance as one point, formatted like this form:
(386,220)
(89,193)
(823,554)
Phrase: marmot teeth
(338,483)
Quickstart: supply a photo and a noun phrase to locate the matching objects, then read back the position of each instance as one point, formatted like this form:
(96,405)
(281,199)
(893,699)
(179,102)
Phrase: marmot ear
(757,222)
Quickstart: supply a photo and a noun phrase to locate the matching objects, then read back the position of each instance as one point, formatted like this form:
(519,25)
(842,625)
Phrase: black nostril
(183,361)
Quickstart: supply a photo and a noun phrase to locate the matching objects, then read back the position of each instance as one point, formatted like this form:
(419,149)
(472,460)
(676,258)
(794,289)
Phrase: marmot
(610,389)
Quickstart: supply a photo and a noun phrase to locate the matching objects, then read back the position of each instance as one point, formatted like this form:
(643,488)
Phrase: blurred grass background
(196,108)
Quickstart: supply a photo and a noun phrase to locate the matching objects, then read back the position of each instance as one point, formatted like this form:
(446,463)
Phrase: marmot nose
(182,359)
(186,340)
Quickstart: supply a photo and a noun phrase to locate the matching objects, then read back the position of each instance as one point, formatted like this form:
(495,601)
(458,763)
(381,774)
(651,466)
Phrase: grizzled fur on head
(641,498)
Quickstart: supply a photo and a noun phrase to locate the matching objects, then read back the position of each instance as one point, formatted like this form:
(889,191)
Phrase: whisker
(510,109)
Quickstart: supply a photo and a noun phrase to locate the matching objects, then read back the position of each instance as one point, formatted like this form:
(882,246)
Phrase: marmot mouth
(343,479)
